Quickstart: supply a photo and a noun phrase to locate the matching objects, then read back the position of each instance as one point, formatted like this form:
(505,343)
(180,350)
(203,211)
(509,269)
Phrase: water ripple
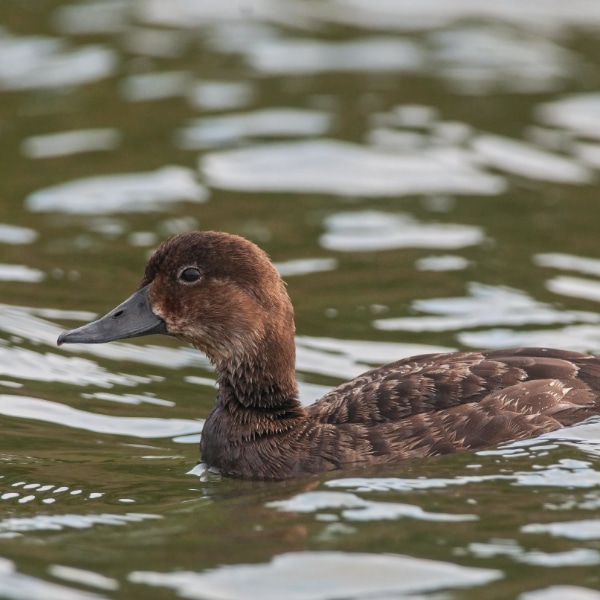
(20,273)
(335,167)
(66,143)
(305,266)
(221,95)
(298,56)
(134,192)
(580,338)
(587,529)
(578,113)
(484,305)
(332,575)
(357,509)
(21,363)
(349,358)
(210,132)
(369,230)
(12,234)
(70,521)
(24,407)
(520,158)
(568,262)
(19,586)
(551,18)
(575,287)
(578,557)
(44,62)
(83,577)
(560,592)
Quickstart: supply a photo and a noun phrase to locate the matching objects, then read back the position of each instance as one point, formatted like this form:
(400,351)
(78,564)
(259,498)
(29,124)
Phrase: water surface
(424,175)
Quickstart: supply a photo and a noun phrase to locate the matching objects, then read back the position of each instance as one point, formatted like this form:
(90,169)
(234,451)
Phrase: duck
(221,293)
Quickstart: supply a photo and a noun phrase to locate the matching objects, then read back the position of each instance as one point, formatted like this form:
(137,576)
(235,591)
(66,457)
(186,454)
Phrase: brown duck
(220,293)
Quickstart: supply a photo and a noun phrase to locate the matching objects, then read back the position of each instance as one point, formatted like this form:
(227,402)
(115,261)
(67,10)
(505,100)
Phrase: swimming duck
(221,293)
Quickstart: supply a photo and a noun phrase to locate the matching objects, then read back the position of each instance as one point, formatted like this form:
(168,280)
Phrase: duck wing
(439,403)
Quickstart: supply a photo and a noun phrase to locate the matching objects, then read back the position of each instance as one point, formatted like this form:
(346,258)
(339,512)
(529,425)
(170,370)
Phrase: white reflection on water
(210,132)
(349,358)
(227,37)
(221,95)
(70,521)
(147,239)
(446,262)
(309,392)
(587,529)
(162,43)
(189,13)
(20,273)
(354,508)
(24,407)
(584,436)
(129,398)
(544,16)
(398,484)
(297,56)
(336,167)
(569,262)
(304,266)
(155,86)
(520,158)
(22,363)
(43,62)
(412,115)
(93,17)
(578,557)
(576,287)
(474,59)
(561,592)
(578,113)
(18,586)
(481,59)
(70,142)
(580,338)
(12,234)
(587,153)
(484,305)
(133,192)
(394,140)
(330,575)
(83,577)
(370,230)
(565,473)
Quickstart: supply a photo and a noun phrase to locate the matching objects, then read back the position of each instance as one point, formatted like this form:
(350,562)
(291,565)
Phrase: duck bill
(132,318)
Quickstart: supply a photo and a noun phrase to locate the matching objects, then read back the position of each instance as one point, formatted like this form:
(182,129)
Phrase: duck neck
(263,380)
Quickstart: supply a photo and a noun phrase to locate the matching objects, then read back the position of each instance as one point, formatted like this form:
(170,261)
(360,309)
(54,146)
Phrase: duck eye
(190,275)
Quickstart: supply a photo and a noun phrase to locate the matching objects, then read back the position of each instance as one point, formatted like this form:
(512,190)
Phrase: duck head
(216,291)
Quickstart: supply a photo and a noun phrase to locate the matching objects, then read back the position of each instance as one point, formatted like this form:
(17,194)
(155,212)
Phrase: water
(424,175)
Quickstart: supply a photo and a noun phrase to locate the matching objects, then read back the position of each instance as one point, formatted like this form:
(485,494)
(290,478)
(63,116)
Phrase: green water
(454,206)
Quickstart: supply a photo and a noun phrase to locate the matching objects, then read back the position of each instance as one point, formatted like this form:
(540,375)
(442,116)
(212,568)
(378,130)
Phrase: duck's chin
(222,347)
